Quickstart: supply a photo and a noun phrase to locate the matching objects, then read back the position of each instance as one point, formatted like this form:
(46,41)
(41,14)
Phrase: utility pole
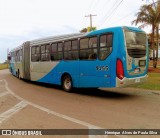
(90,16)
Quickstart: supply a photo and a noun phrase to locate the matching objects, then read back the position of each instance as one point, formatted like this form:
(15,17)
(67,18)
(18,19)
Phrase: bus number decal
(102,68)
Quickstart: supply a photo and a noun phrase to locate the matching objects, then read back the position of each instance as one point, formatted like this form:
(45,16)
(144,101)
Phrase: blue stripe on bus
(80,80)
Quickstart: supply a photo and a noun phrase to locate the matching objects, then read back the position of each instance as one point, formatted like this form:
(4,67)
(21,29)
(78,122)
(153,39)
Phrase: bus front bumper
(128,81)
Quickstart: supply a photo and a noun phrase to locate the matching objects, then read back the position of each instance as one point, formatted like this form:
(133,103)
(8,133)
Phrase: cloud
(23,20)
(14,40)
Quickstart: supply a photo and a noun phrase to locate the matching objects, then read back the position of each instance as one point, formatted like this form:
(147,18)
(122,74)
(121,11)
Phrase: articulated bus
(111,57)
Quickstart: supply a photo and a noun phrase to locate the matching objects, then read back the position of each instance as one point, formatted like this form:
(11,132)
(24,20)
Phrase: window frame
(57,51)
(71,49)
(89,48)
(36,53)
(46,52)
(112,43)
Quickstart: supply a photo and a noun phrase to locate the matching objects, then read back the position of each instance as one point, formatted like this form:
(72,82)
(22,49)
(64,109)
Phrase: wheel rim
(67,83)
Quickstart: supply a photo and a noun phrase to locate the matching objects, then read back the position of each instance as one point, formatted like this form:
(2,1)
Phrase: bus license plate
(137,80)
(137,70)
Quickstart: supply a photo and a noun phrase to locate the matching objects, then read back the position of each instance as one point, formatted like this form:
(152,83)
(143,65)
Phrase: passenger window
(60,48)
(54,48)
(53,51)
(67,46)
(37,50)
(74,51)
(105,46)
(88,48)
(84,43)
(48,48)
(45,52)
(35,54)
(42,49)
(33,50)
(57,51)
(71,50)
(75,45)
(93,42)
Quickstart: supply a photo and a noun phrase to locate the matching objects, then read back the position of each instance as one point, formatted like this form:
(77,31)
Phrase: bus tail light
(120,69)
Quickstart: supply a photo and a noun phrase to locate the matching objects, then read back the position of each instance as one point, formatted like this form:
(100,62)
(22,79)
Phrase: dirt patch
(154,70)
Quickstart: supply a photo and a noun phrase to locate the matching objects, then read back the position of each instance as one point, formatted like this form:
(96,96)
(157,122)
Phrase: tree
(149,15)
(84,30)
(88,29)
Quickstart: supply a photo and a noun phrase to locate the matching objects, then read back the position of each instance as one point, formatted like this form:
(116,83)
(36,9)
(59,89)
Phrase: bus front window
(135,43)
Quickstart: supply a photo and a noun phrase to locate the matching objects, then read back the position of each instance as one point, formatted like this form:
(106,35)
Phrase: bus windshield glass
(135,39)
(135,43)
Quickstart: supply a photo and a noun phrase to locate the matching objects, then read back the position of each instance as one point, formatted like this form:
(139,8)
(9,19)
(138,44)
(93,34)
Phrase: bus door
(95,62)
(94,73)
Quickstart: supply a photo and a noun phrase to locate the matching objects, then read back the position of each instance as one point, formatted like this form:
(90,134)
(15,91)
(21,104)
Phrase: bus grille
(137,53)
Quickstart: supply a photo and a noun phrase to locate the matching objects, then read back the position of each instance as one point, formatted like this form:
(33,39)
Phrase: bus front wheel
(67,83)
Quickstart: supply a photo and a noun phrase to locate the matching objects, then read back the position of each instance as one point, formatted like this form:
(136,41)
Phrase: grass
(153,82)
(3,66)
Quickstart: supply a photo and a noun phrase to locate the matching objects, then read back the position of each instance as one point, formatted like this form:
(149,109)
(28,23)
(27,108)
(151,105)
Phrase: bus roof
(17,48)
(111,29)
(56,38)
(76,35)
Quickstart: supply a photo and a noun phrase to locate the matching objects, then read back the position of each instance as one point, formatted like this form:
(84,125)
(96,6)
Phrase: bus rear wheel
(67,83)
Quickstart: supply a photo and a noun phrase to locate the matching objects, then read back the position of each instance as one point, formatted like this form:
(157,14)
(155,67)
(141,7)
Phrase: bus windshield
(135,39)
(135,43)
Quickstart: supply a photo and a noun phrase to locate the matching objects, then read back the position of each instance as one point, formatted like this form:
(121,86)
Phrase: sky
(24,20)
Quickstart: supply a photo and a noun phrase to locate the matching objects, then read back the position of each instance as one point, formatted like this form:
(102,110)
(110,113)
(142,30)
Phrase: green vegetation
(3,66)
(153,82)
(149,15)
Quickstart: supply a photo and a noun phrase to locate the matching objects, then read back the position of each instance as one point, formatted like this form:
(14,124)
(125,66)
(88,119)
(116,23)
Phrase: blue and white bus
(111,57)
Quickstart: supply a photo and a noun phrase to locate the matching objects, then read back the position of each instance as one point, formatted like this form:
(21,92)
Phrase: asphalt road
(28,105)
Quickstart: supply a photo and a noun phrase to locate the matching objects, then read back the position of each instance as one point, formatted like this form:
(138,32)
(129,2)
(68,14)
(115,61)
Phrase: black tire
(67,83)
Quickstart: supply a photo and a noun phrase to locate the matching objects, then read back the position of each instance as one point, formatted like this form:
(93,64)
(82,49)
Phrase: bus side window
(60,51)
(71,50)
(93,46)
(105,46)
(88,48)
(21,55)
(14,55)
(53,51)
(48,49)
(35,54)
(67,50)
(18,55)
(74,52)
(57,51)
(84,51)
(45,52)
